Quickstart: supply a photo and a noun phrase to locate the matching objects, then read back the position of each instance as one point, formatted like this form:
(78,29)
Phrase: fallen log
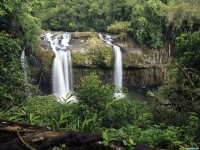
(21,136)
(71,138)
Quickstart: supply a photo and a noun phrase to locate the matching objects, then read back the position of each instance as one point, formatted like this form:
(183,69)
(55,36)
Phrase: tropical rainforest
(169,121)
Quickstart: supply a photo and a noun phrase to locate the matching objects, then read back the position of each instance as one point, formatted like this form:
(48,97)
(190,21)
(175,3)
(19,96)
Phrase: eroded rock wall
(131,77)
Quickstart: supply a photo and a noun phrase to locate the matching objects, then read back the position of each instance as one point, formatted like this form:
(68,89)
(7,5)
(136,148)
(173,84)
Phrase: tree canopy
(152,21)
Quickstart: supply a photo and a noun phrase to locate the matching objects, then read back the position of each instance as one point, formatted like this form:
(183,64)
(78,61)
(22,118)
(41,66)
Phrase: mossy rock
(78,58)
(77,35)
(94,54)
(133,59)
(45,56)
(105,56)
(101,53)
(93,44)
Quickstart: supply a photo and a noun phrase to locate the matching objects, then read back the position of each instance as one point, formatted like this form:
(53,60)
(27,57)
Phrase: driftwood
(20,136)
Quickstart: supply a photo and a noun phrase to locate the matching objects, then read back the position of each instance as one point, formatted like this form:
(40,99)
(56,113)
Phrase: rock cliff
(141,65)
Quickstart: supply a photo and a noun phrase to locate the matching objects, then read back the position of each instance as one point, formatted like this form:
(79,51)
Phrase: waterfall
(117,66)
(58,77)
(65,40)
(24,71)
(62,67)
(118,72)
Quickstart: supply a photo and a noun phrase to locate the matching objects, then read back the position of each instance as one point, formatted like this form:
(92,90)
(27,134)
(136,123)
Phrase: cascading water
(117,66)
(65,40)
(62,67)
(24,71)
(118,72)
(24,67)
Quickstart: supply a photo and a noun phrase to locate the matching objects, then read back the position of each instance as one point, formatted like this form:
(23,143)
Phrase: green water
(134,95)
(140,93)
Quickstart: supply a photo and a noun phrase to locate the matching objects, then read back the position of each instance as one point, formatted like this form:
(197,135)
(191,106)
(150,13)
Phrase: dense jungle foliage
(170,121)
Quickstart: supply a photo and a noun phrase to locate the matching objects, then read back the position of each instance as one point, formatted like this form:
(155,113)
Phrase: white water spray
(117,66)
(58,77)
(62,68)
(24,67)
(24,71)
(65,40)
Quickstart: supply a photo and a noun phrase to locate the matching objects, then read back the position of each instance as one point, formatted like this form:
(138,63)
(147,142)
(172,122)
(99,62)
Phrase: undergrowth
(127,121)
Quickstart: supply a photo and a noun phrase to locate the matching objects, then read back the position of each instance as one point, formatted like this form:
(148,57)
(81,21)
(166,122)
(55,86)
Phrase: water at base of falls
(118,71)
(119,95)
(62,68)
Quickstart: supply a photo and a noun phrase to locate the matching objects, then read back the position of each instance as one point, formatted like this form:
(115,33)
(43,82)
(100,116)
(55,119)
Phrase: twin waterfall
(62,78)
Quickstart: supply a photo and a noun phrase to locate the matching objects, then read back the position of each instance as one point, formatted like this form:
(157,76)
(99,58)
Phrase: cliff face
(141,65)
(131,77)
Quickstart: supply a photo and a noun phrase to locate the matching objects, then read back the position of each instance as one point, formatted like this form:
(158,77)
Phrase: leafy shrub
(93,94)
(119,27)
(167,137)
(119,135)
(123,112)
(44,110)
(130,134)
(187,50)
(173,137)
(78,57)
(96,98)
(153,136)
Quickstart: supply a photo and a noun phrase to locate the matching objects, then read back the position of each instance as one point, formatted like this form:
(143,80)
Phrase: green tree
(181,16)
(146,25)
(188,50)
(17,19)
(92,93)
(178,101)
(19,29)
(180,97)
(120,27)
(119,10)
(12,89)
